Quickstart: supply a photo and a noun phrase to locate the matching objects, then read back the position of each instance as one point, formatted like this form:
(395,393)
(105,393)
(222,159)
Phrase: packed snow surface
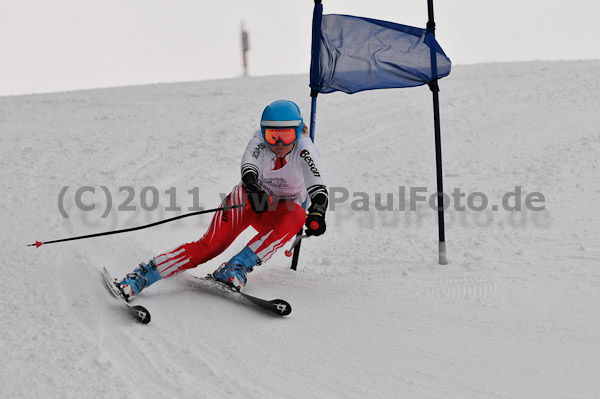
(514,314)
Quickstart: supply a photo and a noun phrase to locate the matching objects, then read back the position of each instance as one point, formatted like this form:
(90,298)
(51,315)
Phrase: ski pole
(38,244)
(290,251)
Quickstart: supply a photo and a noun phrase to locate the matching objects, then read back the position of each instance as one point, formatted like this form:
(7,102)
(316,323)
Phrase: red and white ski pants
(275,227)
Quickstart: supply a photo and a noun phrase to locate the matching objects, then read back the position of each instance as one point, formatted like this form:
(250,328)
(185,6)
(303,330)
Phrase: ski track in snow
(513,315)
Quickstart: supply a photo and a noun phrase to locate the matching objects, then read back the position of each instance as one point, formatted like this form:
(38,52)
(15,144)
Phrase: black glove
(315,221)
(257,197)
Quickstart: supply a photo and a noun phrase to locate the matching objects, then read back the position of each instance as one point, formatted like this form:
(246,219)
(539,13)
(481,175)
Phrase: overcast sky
(58,45)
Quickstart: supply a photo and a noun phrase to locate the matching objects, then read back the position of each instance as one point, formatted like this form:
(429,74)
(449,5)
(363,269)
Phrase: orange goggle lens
(286,135)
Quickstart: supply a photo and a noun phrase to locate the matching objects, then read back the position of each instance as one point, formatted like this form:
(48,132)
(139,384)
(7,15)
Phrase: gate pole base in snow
(442,252)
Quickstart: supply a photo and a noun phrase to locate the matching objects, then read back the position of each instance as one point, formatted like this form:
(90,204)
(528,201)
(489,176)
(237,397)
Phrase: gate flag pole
(313,116)
(314,78)
(433,85)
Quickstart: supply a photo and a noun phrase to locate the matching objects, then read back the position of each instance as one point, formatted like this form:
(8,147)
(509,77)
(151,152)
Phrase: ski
(139,312)
(277,307)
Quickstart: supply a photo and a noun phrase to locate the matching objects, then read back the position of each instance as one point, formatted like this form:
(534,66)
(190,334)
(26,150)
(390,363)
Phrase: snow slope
(513,315)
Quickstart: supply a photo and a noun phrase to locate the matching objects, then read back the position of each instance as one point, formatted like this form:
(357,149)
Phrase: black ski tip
(141,313)
(281,307)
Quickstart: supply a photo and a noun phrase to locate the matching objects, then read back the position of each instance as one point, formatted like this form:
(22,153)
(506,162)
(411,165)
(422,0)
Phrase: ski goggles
(285,135)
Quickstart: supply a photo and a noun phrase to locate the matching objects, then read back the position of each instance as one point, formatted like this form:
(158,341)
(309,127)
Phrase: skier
(279,168)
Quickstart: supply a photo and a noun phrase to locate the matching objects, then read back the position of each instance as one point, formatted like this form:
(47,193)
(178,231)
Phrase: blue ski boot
(141,277)
(234,272)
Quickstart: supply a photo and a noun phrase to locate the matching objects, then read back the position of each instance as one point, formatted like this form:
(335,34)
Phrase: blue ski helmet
(280,114)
